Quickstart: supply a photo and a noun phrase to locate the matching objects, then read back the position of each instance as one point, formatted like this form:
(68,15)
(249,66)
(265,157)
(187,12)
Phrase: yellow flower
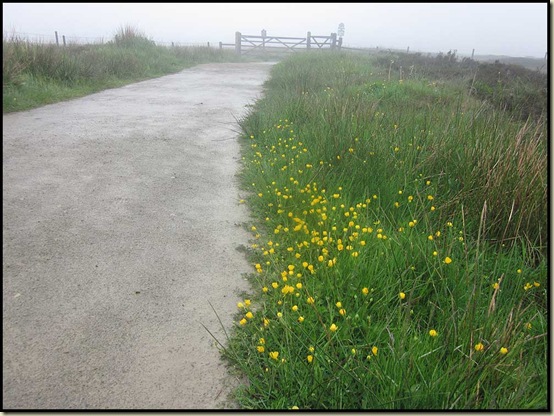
(260,348)
(402,295)
(242,321)
(310,300)
(287,289)
(295,308)
(342,311)
(266,322)
(240,305)
(247,302)
(503,350)
(479,347)
(265,289)
(261,341)
(249,315)
(338,305)
(279,315)
(433,333)
(374,350)
(300,319)
(333,328)
(310,358)
(311,349)
(274,355)
(448,260)
(365,290)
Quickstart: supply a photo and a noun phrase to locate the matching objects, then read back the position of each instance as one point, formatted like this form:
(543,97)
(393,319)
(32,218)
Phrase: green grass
(38,74)
(398,227)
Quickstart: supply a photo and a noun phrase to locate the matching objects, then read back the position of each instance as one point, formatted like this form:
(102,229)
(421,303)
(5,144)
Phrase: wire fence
(59,38)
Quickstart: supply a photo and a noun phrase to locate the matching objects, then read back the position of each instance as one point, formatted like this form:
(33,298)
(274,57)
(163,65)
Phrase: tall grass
(399,240)
(36,74)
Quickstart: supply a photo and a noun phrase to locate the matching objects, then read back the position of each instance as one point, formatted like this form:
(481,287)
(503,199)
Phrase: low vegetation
(399,243)
(38,74)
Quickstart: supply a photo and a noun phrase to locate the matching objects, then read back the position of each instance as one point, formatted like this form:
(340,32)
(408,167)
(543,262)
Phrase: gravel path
(120,213)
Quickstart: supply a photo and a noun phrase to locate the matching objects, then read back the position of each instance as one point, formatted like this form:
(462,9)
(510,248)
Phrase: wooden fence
(245,44)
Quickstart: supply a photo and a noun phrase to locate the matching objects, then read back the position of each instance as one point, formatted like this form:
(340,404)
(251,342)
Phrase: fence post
(57,41)
(308,40)
(333,40)
(220,45)
(237,42)
(339,43)
(208,44)
(63,38)
(472,53)
(408,50)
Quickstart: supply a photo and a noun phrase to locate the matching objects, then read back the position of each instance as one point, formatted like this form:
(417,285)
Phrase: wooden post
(333,40)
(308,40)
(472,53)
(237,42)
(57,41)
(339,44)
(220,45)
(208,44)
(63,38)
(408,50)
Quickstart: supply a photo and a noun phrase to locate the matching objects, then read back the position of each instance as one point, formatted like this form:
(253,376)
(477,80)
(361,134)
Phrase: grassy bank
(38,74)
(399,231)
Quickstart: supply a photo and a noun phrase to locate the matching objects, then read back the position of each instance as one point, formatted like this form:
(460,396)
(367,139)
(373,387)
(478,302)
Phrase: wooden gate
(245,44)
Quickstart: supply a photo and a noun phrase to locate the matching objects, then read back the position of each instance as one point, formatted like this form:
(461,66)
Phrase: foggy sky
(515,29)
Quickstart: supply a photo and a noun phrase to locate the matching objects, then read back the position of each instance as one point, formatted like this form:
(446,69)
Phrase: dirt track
(120,215)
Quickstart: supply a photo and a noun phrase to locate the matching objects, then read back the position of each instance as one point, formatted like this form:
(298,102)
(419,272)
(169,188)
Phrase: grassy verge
(38,74)
(399,245)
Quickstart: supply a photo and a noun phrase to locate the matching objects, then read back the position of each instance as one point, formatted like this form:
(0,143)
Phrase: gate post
(263,39)
(308,40)
(237,42)
(333,40)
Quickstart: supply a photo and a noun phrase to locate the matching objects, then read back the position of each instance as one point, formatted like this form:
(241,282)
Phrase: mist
(513,29)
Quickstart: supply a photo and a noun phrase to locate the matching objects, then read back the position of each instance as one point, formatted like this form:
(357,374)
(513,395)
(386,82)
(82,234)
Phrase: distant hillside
(526,62)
